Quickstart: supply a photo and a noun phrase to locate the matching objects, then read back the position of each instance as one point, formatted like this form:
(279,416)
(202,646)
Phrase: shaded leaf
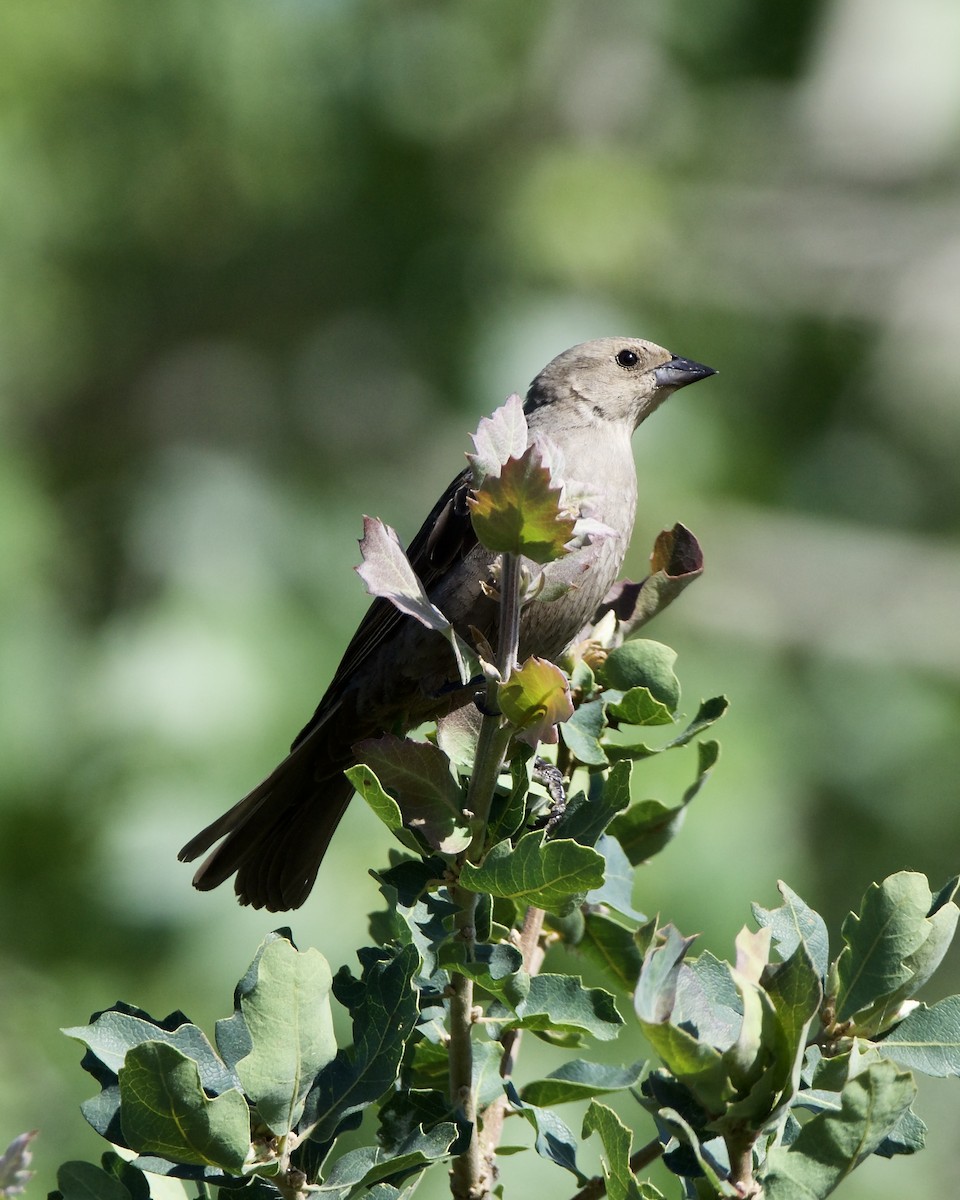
(616,891)
(85,1181)
(418,776)
(384,1015)
(580,1080)
(675,562)
(829,1147)
(115,1031)
(554,1139)
(648,826)
(611,948)
(587,817)
(368,1164)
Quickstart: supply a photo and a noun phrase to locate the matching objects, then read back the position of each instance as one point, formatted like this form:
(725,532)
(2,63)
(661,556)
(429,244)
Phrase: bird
(396,673)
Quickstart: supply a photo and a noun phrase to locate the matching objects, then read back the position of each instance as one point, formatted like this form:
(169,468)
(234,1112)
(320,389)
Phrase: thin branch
(469,1178)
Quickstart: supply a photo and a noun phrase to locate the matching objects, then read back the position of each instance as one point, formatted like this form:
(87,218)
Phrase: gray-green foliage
(783,1069)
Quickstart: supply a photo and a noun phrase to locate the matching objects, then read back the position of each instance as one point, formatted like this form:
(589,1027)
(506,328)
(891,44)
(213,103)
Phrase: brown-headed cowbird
(396,673)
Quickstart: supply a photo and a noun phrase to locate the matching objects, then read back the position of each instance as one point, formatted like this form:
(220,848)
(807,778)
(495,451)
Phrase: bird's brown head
(621,379)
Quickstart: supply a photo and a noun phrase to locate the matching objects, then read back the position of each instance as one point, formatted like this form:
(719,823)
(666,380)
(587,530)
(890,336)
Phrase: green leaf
(612,948)
(831,1145)
(164,1111)
(561,1004)
(699,1066)
(684,1132)
(552,875)
(639,706)
(928,1039)
(580,1080)
(892,948)
(907,1137)
(796,993)
(498,969)
(616,891)
(287,1013)
(646,828)
(554,1139)
(418,776)
(587,817)
(368,1164)
(520,511)
(535,698)
(582,732)
(641,663)
(132,1177)
(85,1181)
(457,734)
(509,810)
(617,1141)
(709,712)
(649,826)
(793,924)
(115,1032)
(384,1015)
(384,806)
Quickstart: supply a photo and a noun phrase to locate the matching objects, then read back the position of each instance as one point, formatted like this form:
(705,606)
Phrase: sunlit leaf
(521,511)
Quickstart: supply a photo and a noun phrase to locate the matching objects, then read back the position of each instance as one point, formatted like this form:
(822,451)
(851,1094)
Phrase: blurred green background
(263,267)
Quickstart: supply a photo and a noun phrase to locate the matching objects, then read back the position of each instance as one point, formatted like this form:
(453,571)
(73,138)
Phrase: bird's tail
(275,837)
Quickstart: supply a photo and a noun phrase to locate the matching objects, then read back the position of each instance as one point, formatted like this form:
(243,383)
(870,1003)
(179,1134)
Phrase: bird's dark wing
(444,539)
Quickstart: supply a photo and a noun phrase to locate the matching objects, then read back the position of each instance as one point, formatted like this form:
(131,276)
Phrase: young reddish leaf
(498,438)
(386,572)
(521,511)
(536,698)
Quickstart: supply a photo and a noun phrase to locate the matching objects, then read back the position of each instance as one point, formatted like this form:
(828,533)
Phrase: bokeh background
(263,267)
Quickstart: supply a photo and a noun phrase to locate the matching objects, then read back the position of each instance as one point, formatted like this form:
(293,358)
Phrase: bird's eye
(627,358)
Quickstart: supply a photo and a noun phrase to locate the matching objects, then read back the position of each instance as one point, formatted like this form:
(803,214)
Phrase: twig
(468,1178)
(494,1115)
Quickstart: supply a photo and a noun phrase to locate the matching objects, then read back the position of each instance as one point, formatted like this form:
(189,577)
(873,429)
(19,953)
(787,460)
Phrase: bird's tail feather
(275,837)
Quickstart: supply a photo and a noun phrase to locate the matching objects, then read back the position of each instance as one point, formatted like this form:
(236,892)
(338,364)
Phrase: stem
(495,735)
(495,1114)
(466,1173)
(740,1152)
(468,1178)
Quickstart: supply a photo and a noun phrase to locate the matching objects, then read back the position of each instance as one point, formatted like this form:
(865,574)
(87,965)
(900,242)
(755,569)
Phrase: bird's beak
(678,372)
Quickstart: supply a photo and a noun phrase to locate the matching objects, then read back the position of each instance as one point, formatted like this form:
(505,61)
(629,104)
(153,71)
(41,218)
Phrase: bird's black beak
(678,372)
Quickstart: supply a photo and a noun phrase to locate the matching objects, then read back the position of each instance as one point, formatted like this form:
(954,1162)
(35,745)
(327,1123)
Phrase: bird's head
(612,379)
